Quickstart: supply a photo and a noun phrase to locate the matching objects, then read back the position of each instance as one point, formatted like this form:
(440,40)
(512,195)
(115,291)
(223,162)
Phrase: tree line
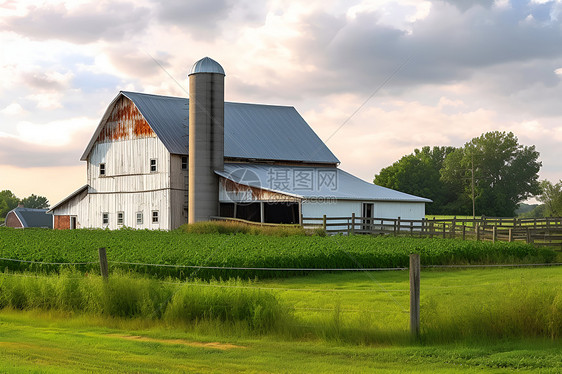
(490,175)
(9,201)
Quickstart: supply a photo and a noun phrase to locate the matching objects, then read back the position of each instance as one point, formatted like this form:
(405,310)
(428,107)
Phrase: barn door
(367,214)
(73,222)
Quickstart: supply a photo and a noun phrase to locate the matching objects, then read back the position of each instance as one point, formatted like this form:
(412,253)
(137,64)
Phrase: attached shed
(284,194)
(21,217)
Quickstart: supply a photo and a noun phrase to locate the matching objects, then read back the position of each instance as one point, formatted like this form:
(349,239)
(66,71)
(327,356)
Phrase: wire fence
(388,301)
(291,269)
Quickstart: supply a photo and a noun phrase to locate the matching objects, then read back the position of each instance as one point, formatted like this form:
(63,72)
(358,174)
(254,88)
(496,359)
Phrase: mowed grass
(349,322)
(53,344)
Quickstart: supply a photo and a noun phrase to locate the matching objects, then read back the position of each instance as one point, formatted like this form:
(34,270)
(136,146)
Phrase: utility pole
(473,205)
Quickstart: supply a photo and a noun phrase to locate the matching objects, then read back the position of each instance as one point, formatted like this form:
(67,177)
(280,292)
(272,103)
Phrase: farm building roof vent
(206,65)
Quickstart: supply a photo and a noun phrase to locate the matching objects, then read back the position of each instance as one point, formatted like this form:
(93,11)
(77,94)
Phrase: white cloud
(14,109)
(48,100)
(502,4)
(54,134)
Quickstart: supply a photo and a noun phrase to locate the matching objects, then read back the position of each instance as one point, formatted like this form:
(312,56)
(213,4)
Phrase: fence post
(463,232)
(444,230)
(477,229)
(399,225)
(324,222)
(104,269)
(415,295)
(454,228)
(510,238)
(431,230)
(528,235)
(353,223)
(494,234)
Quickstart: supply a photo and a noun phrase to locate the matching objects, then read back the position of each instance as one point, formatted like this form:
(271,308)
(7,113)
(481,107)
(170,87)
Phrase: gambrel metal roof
(312,183)
(33,217)
(251,131)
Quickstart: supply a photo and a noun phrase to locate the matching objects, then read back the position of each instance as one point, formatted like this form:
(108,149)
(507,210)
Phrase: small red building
(21,217)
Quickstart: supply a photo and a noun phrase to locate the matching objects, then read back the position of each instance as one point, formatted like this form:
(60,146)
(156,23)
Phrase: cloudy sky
(375,78)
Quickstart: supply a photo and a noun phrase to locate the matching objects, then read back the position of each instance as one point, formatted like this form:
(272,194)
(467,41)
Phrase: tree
(551,196)
(502,171)
(35,202)
(8,201)
(418,174)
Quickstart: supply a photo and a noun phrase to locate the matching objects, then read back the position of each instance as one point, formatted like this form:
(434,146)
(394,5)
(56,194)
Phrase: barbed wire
(49,263)
(294,269)
(256,268)
(490,265)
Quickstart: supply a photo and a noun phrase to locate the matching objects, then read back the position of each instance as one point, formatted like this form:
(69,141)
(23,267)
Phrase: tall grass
(515,310)
(133,296)
(233,227)
(511,311)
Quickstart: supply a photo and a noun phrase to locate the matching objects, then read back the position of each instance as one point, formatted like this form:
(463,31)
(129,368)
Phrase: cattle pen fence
(538,231)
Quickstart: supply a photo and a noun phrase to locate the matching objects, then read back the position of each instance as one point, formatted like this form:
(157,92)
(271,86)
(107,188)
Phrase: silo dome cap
(206,65)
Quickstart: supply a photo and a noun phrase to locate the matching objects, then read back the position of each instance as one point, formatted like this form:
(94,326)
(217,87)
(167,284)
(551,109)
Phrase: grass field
(349,322)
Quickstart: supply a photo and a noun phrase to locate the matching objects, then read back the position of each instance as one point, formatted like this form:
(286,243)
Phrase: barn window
(153,165)
(105,218)
(184,162)
(102,169)
(154,216)
(120,218)
(139,218)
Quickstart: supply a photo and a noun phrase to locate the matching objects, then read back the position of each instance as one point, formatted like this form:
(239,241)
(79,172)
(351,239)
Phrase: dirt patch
(212,345)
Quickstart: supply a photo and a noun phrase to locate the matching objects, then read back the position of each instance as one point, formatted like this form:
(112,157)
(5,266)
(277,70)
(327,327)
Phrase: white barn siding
(127,166)
(415,211)
(128,185)
(337,208)
(77,206)
(346,208)
(130,204)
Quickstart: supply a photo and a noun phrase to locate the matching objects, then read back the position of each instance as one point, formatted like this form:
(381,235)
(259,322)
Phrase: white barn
(157,162)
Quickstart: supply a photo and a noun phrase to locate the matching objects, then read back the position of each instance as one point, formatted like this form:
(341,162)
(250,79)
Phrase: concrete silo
(206,138)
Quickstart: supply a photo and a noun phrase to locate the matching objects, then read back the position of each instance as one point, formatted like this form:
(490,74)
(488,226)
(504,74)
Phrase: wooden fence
(540,231)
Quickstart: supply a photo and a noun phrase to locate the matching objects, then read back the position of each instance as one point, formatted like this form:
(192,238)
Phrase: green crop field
(497,320)
(244,250)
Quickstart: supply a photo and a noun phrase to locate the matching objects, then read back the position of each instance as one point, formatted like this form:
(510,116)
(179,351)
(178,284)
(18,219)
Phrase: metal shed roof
(251,131)
(312,183)
(34,217)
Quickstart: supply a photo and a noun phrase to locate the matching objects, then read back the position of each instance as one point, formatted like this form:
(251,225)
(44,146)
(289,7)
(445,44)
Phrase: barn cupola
(206,138)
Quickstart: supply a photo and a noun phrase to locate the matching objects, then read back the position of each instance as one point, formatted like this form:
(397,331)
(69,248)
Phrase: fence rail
(540,231)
